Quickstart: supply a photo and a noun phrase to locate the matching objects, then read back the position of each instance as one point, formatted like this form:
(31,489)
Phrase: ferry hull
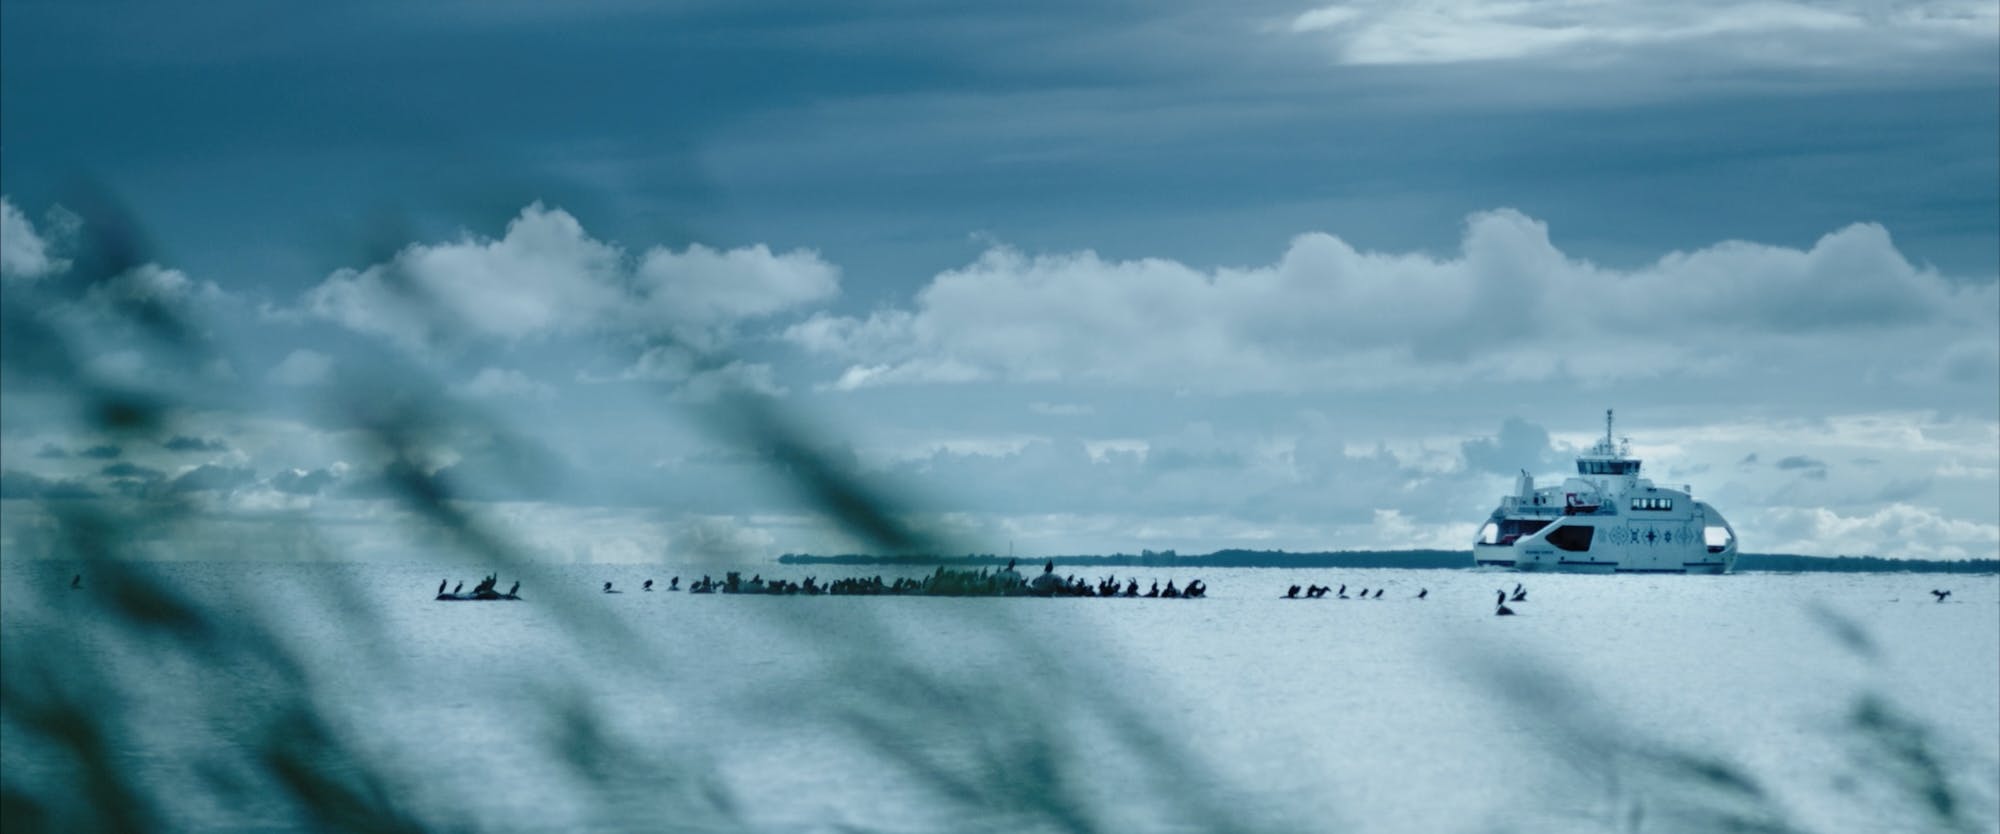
(1521,560)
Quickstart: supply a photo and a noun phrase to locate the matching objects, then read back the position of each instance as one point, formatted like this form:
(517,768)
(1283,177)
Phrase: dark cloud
(1520,445)
(1801,462)
(51,451)
(128,469)
(17,485)
(210,477)
(188,443)
(103,451)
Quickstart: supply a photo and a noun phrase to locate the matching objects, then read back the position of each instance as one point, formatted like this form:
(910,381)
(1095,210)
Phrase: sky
(1062,277)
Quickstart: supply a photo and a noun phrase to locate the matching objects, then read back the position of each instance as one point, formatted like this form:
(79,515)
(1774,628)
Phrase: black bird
(1342,593)
(76,582)
(460,586)
(1939,594)
(441,584)
(607,589)
(1293,593)
(514,591)
(1503,610)
(1363,594)
(1520,594)
(1423,593)
(1378,592)
(674,584)
(649,585)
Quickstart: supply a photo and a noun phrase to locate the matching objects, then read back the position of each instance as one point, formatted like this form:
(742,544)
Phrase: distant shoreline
(1407,559)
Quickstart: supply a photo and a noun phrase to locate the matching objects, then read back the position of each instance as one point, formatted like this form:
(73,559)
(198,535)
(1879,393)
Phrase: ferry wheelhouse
(1606,519)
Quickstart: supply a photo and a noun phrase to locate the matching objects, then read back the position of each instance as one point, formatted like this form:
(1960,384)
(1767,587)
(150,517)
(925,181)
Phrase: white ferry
(1607,519)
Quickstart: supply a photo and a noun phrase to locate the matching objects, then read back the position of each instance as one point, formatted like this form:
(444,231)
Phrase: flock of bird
(1519,594)
(1318,591)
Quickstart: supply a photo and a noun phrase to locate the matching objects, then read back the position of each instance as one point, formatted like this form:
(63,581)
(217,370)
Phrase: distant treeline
(1413,559)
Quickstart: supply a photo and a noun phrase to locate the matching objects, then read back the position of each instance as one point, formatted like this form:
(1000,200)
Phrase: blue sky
(1087,277)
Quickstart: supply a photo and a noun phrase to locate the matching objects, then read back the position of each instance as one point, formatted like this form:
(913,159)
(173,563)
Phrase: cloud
(547,276)
(699,381)
(210,477)
(19,485)
(1520,445)
(701,290)
(152,283)
(188,443)
(1763,32)
(102,451)
(307,481)
(24,253)
(1807,467)
(302,368)
(717,538)
(543,275)
(731,379)
(1898,530)
(1326,315)
(504,383)
(127,469)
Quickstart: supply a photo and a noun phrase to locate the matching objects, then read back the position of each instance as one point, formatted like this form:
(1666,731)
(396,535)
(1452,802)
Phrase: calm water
(637,711)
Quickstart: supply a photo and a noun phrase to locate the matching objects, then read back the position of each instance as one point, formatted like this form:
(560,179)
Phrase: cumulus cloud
(1899,530)
(547,276)
(1326,315)
(1780,33)
(1521,445)
(702,290)
(25,253)
(154,284)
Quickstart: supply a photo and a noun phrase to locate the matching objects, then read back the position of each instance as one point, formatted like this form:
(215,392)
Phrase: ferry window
(1573,538)
(1661,504)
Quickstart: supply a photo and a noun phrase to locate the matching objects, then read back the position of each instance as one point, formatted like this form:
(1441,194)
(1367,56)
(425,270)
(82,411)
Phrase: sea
(300,696)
